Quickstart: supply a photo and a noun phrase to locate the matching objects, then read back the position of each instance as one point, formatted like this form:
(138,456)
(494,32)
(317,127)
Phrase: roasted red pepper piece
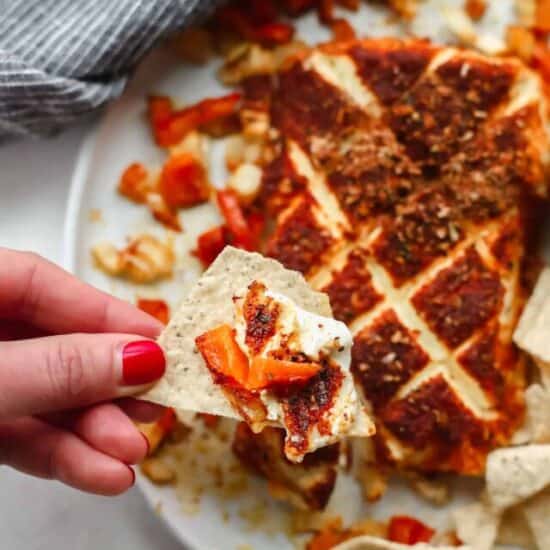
(262,11)
(296,7)
(170,126)
(408,530)
(352,5)
(183,181)
(157,308)
(342,30)
(542,16)
(541,61)
(245,25)
(133,182)
(325,11)
(210,244)
(210,420)
(272,34)
(235,220)
(160,111)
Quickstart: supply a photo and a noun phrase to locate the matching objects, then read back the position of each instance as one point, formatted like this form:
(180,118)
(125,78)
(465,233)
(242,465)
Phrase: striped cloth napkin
(63,59)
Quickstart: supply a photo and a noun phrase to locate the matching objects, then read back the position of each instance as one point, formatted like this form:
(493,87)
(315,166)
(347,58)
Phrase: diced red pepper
(246,25)
(262,11)
(132,183)
(296,7)
(169,128)
(342,30)
(408,530)
(352,5)
(235,220)
(237,21)
(256,222)
(163,213)
(157,308)
(210,244)
(266,372)
(542,15)
(325,11)
(210,420)
(160,111)
(272,34)
(541,61)
(183,181)
(167,421)
(157,432)
(222,354)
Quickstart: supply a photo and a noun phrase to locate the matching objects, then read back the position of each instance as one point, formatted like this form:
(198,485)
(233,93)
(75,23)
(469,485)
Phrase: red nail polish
(142,362)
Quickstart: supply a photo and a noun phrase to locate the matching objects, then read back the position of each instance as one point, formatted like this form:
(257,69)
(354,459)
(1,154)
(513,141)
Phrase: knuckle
(65,367)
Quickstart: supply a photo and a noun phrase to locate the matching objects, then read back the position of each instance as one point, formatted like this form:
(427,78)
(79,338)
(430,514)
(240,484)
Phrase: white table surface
(37,514)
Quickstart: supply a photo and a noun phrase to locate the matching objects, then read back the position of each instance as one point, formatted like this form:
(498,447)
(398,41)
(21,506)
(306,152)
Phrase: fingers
(107,429)
(68,372)
(32,288)
(37,448)
(140,411)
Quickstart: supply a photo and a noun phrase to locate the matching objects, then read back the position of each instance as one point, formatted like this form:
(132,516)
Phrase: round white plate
(96,212)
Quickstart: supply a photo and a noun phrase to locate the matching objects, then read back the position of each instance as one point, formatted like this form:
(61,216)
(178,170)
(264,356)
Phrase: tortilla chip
(476,524)
(514,531)
(373,543)
(536,513)
(187,383)
(532,332)
(516,473)
(538,413)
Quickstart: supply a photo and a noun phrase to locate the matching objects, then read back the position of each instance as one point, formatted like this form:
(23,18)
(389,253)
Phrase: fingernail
(142,362)
(147,444)
(133,476)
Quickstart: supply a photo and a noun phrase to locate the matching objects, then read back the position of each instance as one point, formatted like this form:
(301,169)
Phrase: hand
(68,353)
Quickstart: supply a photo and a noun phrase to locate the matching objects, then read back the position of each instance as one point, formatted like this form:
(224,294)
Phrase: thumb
(65,372)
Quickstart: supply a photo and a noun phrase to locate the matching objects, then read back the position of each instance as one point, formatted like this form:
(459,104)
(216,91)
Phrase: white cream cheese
(318,338)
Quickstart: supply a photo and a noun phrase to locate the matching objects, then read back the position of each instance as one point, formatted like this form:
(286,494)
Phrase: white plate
(123,137)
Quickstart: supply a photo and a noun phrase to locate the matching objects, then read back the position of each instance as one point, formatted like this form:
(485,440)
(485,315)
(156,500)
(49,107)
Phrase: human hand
(69,354)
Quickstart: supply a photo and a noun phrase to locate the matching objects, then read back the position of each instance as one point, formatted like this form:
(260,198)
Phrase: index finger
(38,292)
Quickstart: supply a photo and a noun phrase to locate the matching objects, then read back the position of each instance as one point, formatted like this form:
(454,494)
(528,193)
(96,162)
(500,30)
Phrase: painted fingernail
(142,362)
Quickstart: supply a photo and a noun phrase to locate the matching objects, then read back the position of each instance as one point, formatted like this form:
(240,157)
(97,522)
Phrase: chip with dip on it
(252,341)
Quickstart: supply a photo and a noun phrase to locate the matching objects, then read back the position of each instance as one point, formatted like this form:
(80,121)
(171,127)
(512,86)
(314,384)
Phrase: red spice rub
(280,181)
(306,407)
(385,355)
(460,299)
(426,227)
(480,361)
(299,241)
(351,291)
(305,105)
(442,112)
(390,72)
(434,415)
(260,313)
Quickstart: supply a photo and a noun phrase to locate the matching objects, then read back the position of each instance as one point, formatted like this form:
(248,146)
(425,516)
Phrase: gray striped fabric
(63,59)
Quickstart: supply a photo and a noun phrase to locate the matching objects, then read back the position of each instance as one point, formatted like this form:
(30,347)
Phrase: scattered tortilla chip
(187,384)
(538,413)
(532,332)
(516,473)
(372,543)
(477,524)
(536,513)
(514,531)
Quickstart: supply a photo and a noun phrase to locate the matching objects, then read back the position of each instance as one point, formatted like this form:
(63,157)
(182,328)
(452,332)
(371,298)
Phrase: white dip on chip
(321,340)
